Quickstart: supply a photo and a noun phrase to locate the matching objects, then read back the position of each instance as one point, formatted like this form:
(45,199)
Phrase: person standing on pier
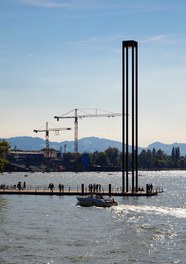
(51,186)
(19,186)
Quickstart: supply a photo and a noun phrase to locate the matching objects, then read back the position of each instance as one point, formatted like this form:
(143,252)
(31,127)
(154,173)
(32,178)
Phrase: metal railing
(73,189)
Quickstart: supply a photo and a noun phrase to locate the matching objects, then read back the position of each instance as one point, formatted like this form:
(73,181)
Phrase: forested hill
(88,144)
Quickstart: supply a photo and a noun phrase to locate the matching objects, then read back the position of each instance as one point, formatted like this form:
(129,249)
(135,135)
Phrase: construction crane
(85,115)
(56,130)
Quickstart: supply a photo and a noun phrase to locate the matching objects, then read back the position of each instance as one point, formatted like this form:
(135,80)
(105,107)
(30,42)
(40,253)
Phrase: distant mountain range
(88,144)
(167,148)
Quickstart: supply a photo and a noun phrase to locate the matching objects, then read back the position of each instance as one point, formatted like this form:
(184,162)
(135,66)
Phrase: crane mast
(76,133)
(76,116)
(46,131)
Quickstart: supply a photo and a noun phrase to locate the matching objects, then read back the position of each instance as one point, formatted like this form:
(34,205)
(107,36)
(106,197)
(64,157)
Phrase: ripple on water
(54,230)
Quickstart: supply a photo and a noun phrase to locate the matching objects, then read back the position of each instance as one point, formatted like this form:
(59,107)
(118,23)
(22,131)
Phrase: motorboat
(96,200)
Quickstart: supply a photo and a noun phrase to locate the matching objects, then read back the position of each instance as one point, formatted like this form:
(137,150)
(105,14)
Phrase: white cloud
(101,4)
(65,3)
(46,3)
(160,39)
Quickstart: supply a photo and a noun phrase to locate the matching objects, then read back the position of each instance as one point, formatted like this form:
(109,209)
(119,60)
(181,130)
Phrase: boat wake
(175,212)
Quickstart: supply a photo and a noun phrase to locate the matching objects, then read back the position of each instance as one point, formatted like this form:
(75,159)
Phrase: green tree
(182,163)
(175,155)
(4,149)
(142,158)
(101,159)
(113,156)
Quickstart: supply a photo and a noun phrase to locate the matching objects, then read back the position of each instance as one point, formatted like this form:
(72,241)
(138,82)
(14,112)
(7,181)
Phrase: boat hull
(94,201)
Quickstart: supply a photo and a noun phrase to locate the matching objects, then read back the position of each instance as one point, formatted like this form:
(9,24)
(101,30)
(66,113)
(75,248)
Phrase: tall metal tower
(130,105)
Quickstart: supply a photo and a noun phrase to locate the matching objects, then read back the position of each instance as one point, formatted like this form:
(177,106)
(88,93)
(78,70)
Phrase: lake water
(52,229)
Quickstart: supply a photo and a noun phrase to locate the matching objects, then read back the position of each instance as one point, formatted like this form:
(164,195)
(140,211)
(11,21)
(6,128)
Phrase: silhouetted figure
(19,186)
(51,186)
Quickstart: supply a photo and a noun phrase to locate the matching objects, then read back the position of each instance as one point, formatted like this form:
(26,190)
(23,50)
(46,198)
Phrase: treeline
(112,158)
(159,160)
(109,160)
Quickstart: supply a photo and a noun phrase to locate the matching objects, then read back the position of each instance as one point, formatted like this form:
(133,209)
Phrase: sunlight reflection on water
(52,229)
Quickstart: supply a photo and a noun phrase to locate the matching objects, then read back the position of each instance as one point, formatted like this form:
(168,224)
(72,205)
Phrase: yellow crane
(56,130)
(75,115)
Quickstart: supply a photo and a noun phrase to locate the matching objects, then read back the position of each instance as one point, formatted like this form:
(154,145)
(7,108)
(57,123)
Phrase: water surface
(52,229)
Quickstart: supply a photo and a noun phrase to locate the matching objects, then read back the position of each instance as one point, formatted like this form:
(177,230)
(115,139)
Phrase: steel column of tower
(130,104)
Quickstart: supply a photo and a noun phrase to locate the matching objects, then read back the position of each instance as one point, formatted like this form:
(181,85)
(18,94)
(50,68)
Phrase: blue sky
(58,55)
